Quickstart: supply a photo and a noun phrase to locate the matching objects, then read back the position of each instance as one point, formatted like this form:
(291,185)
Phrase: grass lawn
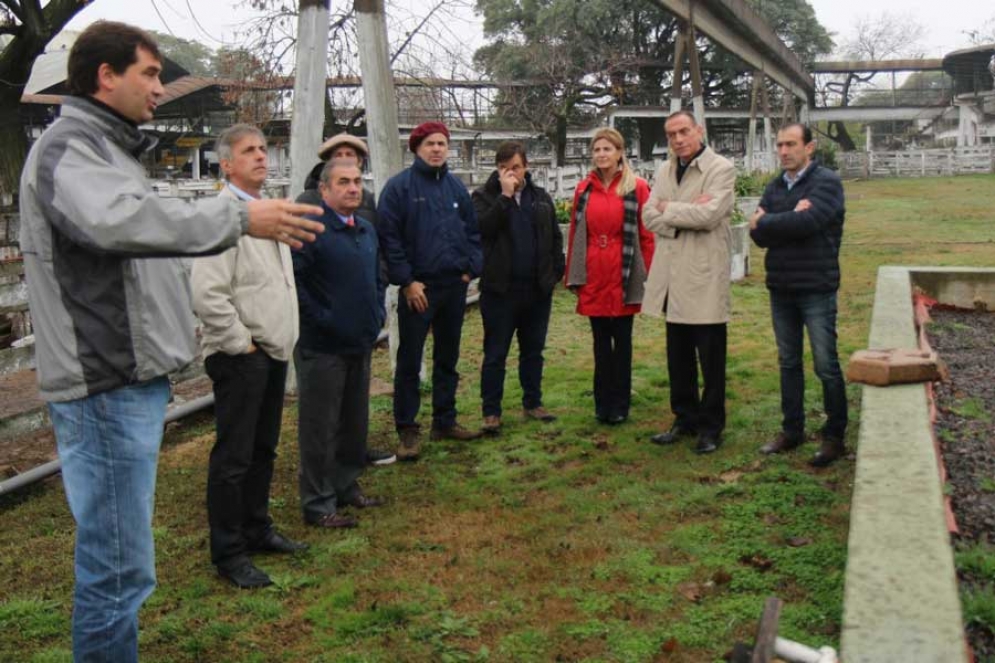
(569,541)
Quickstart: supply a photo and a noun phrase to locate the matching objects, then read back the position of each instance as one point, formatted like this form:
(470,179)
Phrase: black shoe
(274,542)
(334,521)
(783,442)
(831,450)
(380,456)
(616,419)
(245,575)
(707,443)
(675,433)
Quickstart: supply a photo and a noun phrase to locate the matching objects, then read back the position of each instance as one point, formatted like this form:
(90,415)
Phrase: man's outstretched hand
(283,221)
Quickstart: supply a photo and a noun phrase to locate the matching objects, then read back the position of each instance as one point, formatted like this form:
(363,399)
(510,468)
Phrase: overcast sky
(944,20)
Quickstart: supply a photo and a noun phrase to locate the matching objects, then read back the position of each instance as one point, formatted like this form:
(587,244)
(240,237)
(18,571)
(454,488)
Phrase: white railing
(918,163)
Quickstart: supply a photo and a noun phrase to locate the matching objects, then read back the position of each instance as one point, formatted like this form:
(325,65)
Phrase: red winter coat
(602,295)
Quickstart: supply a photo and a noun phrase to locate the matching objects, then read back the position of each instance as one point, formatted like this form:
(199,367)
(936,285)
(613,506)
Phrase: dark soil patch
(965,425)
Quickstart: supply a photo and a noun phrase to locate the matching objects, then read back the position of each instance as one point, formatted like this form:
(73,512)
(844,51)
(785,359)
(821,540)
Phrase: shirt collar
(791,181)
(242,195)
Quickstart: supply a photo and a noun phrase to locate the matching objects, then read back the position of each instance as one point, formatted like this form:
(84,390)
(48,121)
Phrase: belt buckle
(603,241)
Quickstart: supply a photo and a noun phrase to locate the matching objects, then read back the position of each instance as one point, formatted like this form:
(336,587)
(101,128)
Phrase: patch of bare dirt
(965,425)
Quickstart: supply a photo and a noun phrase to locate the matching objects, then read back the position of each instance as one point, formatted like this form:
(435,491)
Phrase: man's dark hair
(686,113)
(806,130)
(110,42)
(507,150)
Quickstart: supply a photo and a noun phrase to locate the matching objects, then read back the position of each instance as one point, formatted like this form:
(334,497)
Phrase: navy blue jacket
(803,248)
(340,287)
(428,227)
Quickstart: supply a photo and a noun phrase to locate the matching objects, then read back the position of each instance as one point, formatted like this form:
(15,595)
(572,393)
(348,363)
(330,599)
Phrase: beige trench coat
(691,263)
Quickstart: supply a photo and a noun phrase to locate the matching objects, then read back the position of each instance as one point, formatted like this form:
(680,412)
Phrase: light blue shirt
(790,181)
(242,195)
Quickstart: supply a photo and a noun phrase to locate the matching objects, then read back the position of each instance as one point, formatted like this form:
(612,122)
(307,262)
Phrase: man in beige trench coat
(689,211)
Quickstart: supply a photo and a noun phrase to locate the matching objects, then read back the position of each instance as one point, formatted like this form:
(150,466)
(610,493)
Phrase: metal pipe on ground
(36,474)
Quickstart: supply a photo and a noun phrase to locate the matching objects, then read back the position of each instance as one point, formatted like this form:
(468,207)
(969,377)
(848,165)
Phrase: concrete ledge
(901,601)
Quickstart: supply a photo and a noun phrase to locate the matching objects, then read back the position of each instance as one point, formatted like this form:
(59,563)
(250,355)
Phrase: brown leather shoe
(831,450)
(335,521)
(409,443)
(454,432)
(492,425)
(540,414)
(783,442)
(362,501)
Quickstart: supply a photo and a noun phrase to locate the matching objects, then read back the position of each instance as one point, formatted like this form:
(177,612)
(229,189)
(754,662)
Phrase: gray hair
(226,141)
(339,162)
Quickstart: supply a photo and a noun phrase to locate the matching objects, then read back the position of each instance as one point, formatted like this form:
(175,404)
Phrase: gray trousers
(333,394)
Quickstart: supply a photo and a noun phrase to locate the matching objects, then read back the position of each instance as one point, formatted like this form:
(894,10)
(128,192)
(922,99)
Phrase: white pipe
(795,652)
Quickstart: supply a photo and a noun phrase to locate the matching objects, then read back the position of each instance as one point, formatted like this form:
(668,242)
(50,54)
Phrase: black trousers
(333,407)
(444,316)
(612,365)
(687,347)
(248,408)
(523,312)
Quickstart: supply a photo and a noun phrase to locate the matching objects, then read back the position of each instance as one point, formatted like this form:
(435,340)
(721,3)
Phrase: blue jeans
(109,447)
(815,312)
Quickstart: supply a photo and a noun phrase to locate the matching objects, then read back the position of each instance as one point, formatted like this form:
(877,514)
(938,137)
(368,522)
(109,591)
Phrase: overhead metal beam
(734,26)
(839,114)
(871,66)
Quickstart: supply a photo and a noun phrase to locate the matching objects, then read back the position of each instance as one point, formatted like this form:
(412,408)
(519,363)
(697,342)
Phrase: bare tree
(421,38)
(881,37)
(983,34)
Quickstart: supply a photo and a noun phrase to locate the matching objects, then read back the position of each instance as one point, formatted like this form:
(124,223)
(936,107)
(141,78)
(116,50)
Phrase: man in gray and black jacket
(112,314)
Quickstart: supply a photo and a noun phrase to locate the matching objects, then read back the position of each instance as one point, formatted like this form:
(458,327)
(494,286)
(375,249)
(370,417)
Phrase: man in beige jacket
(689,211)
(246,300)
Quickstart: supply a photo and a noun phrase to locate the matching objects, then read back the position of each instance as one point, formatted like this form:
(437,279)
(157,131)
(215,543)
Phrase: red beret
(423,131)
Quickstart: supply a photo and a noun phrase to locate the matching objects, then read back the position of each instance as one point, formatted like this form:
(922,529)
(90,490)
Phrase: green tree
(196,58)
(30,27)
(569,58)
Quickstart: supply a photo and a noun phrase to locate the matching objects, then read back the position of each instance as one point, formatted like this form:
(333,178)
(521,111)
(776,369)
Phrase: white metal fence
(918,163)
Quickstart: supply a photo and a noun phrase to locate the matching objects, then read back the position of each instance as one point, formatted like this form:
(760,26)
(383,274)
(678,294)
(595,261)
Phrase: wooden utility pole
(309,105)
(697,94)
(678,84)
(752,135)
(382,133)
(380,101)
(309,90)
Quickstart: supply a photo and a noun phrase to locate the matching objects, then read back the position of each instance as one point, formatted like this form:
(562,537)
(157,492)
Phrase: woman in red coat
(607,261)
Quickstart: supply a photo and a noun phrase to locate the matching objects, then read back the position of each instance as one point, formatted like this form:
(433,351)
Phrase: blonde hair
(628,182)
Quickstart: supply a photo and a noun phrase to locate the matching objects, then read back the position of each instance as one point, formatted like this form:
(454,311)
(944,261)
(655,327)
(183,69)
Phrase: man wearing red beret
(430,241)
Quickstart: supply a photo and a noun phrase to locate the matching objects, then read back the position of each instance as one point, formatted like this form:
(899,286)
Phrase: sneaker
(540,414)
(409,443)
(380,457)
(454,432)
(492,425)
